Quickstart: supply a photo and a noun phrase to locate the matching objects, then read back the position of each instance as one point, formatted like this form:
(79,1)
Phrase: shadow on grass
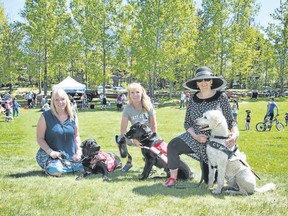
(27,174)
(185,189)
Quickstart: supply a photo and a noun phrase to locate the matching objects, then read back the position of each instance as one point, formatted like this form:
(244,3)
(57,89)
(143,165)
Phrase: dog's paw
(106,178)
(80,177)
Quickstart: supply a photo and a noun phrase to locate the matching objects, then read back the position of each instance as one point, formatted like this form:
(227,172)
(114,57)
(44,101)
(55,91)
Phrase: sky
(13,7)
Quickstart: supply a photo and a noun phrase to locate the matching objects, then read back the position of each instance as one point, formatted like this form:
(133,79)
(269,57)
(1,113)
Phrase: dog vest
(107,158)
(160,149)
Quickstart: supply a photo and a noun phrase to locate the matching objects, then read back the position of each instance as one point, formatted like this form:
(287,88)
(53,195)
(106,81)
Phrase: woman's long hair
(68,108)
(145,99)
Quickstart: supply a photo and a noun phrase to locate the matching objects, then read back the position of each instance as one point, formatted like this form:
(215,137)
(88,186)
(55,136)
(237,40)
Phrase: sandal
(171,182)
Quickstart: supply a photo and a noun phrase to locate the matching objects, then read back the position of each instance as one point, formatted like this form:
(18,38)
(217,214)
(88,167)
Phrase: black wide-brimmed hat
(205,73)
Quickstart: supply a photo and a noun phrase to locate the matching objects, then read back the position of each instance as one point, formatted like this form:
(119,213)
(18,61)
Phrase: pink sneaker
(171,182)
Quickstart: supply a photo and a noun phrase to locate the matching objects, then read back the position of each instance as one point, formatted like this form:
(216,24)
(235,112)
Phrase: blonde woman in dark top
(58,136)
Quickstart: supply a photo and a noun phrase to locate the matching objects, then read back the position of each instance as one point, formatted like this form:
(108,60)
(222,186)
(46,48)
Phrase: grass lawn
(25,190)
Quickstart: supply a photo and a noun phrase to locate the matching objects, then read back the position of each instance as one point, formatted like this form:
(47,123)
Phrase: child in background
(286,118)
(235,109)
(248,119)
(15,107)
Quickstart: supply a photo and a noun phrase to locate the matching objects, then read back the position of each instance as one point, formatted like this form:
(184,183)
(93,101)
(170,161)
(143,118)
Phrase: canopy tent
(69,84)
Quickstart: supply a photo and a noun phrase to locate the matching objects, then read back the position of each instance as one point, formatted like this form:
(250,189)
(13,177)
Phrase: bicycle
(266,124)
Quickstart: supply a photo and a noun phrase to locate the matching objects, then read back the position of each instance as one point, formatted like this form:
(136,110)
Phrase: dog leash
(245,164)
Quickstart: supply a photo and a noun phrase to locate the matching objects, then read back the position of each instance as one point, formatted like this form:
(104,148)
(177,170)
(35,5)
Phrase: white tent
(70,84)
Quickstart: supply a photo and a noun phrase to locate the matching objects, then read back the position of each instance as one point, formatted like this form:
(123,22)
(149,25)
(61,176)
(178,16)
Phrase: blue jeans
(56,167)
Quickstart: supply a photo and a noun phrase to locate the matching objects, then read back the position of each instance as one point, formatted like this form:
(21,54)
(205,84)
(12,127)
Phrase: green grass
(25,190)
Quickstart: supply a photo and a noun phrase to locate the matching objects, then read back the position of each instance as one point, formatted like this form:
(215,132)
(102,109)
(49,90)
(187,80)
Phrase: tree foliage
(278,35)
(156,42)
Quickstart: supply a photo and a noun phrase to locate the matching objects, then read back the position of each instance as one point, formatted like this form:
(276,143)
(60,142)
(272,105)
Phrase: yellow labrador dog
(230,163)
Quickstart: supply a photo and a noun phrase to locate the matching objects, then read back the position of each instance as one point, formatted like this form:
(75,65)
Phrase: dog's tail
(267,187)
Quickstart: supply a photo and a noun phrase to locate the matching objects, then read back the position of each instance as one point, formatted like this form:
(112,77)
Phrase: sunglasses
(206,80)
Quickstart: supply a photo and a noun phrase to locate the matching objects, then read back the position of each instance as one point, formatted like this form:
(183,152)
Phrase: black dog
(96,161)
(155,152)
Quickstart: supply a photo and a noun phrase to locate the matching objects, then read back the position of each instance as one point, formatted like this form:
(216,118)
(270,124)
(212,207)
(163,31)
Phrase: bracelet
(49,151)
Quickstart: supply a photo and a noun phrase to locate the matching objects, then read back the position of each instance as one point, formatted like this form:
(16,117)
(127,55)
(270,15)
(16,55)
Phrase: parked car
(100,88)
(119,89)
(77,94)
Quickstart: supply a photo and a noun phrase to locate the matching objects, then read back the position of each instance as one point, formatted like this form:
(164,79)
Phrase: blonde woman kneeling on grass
(138,109)
(58,136)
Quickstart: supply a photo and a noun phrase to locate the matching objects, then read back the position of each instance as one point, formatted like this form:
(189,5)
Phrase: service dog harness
(160,150)
(222,147)
(229,153)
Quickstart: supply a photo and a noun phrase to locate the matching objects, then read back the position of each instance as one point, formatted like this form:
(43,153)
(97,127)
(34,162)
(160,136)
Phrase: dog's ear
(83,144)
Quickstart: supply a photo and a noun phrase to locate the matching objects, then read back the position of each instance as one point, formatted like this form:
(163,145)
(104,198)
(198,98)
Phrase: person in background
(124,99)
(193,141)
(187,94)
(84,101)
(286,118)
(46,107)
(7,108)
(139,108)
(109,104)
(182,100)
(101,96)
(29,98)
(43,101)
(34,96)
(104,103)
(270,110)
(15,107)
(248,119)
(119,102)
(58,137)
(235,109)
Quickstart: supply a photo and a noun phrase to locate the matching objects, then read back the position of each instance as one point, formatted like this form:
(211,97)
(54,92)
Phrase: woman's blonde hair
(68,108)
(145,99)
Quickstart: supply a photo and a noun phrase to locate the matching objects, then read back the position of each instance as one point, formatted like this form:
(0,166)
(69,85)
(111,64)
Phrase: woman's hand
(230,142)
(137,143)
(201,138)
(55,154)
(77,155)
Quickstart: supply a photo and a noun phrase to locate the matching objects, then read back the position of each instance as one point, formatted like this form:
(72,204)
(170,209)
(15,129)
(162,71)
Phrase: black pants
(175,148)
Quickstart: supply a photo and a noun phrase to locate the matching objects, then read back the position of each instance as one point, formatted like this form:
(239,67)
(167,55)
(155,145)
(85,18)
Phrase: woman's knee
(53,170)
(179,146)
(172,145)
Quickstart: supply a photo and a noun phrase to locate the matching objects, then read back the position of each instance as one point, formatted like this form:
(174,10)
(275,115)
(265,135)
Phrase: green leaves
(154,41)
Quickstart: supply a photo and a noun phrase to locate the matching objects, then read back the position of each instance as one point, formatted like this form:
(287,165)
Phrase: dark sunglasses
(206,80)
